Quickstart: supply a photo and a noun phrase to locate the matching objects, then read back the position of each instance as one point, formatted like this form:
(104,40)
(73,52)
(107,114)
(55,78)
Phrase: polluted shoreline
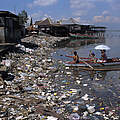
(33,85)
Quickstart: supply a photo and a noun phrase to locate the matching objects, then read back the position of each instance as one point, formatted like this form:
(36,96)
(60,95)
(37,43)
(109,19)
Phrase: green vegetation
(23,16)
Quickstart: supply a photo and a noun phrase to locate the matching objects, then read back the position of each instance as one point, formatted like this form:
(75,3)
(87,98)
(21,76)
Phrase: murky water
(105,85)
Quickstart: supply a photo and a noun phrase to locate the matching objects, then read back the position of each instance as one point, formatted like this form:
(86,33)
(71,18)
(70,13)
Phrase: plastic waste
(91,109)
(51,118)
(85,97)
(7,63)
(74,116)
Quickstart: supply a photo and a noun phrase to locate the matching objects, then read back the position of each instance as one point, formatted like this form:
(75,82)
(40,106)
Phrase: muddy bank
(36,86)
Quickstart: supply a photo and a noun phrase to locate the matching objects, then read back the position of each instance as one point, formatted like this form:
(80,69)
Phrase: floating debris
(36,86)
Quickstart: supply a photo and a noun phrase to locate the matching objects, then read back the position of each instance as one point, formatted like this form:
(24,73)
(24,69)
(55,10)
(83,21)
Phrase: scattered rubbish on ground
(36,86)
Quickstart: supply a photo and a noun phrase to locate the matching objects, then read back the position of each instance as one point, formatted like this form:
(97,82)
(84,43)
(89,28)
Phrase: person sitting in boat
(103,55)
(92,56)
(75,58)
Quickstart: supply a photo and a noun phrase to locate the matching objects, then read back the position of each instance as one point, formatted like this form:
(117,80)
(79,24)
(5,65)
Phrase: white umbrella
(102,47)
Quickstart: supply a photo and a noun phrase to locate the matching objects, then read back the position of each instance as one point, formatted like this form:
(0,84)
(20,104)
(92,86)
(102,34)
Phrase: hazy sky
(98,12)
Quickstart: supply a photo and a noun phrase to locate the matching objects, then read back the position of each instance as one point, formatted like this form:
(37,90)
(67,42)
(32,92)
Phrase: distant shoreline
(113,30)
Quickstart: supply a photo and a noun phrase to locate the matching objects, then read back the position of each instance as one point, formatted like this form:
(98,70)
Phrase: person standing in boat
(103,55)
(75,58)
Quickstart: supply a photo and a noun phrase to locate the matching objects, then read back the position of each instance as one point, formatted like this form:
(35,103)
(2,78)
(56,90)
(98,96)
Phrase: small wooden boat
(98,65)
(82,36)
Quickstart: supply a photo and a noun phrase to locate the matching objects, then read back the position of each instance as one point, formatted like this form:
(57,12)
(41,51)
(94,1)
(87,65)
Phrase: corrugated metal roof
(47,21)
(69,21)
(38,22)
(7,14)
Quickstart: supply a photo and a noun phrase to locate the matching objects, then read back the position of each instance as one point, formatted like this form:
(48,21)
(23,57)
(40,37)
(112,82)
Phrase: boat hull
(111,64)
(112,67)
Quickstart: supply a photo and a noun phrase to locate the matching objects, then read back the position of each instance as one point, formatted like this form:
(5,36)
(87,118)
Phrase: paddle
(86,64)
(79,57)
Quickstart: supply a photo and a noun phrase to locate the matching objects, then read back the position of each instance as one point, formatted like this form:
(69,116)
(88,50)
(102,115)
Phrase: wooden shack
(10,29)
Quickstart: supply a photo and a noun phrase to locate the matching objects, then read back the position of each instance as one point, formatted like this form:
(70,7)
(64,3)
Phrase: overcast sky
(98,12)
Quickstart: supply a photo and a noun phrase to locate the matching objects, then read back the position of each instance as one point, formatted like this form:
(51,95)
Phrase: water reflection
(93,75)
(112,34)
(77,72)
(97,75)
(72,43)
(83,42)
